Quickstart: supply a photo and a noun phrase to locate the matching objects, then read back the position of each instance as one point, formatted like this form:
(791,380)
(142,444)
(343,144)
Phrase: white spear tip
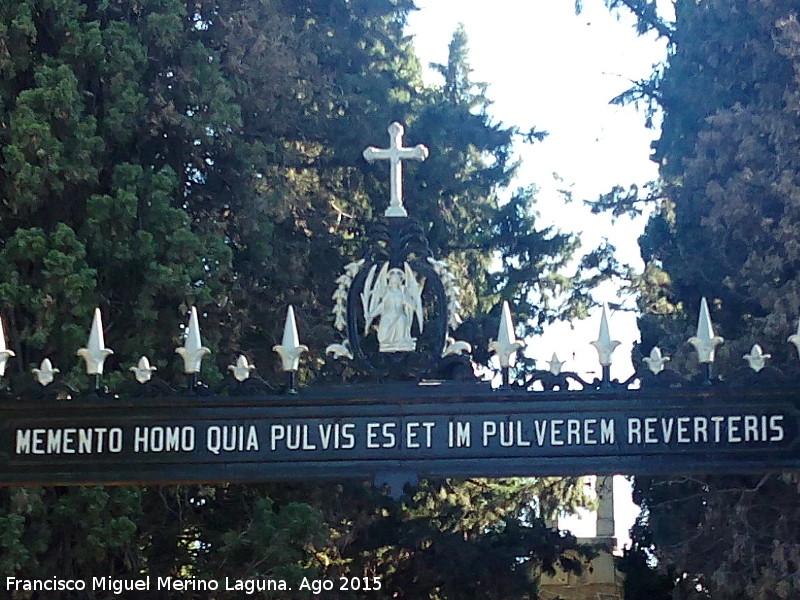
(507,344)
(192,351)
(95,352)
(705,341)
(290,348)
(604,345)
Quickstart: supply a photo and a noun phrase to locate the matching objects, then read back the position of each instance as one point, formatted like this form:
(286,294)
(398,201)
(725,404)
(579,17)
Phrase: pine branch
(648,17)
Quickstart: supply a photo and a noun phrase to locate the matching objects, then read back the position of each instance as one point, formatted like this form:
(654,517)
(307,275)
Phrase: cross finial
(395,153)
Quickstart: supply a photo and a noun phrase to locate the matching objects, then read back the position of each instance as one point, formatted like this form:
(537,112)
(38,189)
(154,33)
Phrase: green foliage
(726,229)
(643,581)
(83,527)
(451,538)
(160,154)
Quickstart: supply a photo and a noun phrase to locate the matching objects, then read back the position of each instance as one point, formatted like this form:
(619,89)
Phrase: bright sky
(550,68)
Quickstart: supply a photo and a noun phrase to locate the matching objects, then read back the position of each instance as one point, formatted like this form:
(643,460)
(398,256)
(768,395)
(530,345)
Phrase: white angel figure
(395,296)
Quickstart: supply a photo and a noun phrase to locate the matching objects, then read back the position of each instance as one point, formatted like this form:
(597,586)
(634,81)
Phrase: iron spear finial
(290,348)
(95,352)
(507,344)
(192,351)
(705,341)
(5,353)
(604,345)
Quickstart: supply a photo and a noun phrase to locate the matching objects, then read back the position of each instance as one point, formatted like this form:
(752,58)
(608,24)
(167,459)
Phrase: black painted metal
(394,432)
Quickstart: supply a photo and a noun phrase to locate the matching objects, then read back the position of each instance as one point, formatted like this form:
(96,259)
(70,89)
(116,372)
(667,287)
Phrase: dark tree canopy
(162,154)
(726,228)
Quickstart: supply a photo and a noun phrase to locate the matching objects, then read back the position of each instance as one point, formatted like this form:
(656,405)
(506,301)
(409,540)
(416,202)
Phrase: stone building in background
(600,579)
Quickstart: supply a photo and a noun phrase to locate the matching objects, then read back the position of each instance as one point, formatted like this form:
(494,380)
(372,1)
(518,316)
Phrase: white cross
(395,153)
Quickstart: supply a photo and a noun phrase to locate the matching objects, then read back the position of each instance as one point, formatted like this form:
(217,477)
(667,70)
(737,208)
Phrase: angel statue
(395,296)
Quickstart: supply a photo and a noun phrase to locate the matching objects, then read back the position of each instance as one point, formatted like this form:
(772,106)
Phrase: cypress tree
(726,229)
(160,154)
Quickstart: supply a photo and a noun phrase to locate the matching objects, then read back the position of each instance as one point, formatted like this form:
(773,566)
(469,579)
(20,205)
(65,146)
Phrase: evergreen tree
(161,154)
(726,229)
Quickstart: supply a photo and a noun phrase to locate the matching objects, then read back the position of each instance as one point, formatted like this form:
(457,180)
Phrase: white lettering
(683,430)
(463,434)
(489,430)
(428,426)
(634,430)
(751,428)
(607,433)
(234,438)
(458,434)
(717,426)
(68,440)
(23,442)
(506,434)
(384,430)
(276,433)
(372,434)
(349,438)
(555,432)
(666,428)
(650,430)
(776,428)
(573,431)
(589,431)
(161,439)
(700,429)
(733,429)
(521,441)
(541,431)
(411,435)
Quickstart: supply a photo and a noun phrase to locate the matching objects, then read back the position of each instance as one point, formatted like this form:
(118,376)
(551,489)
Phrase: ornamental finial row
(705,342)
(192,352)
(507,344)
(94,354)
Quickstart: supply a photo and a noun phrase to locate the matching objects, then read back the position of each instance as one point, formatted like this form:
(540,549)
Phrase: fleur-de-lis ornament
(455,347)
(795,339)
(342,350)
(290,348)
(507,344)
(757,360)
(241,370)
(705,341)
(143,371)
(95,352)
(555,365)
(604,345)
(45,374)
(192,351)
(656,362)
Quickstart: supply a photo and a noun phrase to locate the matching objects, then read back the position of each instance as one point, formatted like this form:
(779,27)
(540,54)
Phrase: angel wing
(414,290)
(373,294)
(366,291)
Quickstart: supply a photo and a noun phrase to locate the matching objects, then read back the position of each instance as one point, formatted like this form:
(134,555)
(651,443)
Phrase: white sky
(550,68)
